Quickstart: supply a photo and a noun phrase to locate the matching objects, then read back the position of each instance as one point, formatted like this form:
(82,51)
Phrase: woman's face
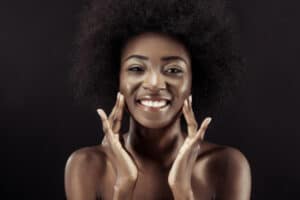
(155,78)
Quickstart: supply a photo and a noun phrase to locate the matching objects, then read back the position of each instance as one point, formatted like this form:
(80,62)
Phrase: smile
(153,104)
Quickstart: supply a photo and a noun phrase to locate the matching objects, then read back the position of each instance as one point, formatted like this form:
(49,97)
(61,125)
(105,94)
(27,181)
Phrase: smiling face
(155,78)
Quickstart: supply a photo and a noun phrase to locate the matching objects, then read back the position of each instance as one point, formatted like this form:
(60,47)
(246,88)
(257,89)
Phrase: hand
(125,167)
(179,178)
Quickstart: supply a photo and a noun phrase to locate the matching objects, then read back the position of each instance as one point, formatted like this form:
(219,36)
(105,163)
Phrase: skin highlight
(156,159)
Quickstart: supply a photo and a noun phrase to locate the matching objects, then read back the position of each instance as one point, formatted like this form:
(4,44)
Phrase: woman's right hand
(125,167)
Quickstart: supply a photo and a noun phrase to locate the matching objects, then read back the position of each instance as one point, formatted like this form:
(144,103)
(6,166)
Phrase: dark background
(41,125)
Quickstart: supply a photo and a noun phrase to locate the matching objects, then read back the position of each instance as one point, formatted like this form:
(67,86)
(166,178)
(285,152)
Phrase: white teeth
(155,104)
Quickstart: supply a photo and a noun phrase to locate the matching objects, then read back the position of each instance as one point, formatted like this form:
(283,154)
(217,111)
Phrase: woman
(160,55)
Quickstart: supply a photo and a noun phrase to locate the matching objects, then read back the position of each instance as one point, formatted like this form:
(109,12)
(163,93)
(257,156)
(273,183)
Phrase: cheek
(124,88)
(123,83)
(128,84)
(183,88)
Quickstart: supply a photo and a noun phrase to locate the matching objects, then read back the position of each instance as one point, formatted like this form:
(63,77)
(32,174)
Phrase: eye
(136,68)
(174,70)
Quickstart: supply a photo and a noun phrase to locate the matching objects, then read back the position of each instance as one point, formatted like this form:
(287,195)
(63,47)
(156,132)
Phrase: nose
(154,81)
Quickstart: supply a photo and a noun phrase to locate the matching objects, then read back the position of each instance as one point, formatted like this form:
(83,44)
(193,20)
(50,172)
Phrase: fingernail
(100,112)
(209,120)
(118,95)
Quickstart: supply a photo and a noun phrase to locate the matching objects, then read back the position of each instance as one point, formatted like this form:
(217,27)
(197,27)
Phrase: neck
(154,146)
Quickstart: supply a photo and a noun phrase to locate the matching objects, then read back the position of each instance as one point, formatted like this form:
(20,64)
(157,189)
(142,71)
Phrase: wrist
(123,190)
(183,194)
(122,193)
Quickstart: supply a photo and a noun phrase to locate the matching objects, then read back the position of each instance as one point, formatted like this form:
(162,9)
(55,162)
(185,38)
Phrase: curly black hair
(205,27)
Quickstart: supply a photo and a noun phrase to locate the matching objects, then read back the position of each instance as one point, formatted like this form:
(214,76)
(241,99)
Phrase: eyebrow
(165,58)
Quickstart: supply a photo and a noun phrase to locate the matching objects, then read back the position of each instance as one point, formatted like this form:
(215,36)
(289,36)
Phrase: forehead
(154,44)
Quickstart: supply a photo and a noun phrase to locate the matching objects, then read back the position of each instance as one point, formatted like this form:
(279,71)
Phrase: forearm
(123,192)
(183,195)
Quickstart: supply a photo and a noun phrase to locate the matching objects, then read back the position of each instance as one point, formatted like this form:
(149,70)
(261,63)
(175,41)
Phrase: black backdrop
(40,124)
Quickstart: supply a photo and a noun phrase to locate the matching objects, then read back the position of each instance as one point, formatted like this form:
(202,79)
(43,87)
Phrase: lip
(152,109)
(154,98)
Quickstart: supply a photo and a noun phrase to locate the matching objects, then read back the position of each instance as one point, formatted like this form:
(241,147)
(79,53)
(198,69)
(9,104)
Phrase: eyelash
(140,69)
(136,68)
(172,69)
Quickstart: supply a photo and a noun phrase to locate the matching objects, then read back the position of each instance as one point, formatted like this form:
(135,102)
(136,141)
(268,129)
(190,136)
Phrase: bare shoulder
(224,159)
(225,154)
(229,170)
(83,172)
(87,158)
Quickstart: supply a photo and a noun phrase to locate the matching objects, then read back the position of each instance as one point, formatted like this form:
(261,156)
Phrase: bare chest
(154,186)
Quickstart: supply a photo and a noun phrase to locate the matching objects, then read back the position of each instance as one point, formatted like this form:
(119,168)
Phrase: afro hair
(205,27)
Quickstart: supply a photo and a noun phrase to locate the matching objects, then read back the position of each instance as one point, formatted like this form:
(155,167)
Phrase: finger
(105,123)
(112,114)
(192,115)
(190,118)
(119,114)
(201,132)
(191,125)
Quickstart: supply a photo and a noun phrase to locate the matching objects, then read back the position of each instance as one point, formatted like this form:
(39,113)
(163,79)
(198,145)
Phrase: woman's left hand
(179,177)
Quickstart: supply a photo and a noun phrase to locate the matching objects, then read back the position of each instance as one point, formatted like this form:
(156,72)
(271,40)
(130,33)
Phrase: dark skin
(156,161)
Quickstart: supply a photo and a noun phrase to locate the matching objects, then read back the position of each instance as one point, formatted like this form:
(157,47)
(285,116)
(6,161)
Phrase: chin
(154,121)
(153,124)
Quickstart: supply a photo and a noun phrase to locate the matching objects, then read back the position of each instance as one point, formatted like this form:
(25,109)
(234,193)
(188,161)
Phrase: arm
(233,179)
(236,179)
(84,167)
(180,175)
(126,169)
